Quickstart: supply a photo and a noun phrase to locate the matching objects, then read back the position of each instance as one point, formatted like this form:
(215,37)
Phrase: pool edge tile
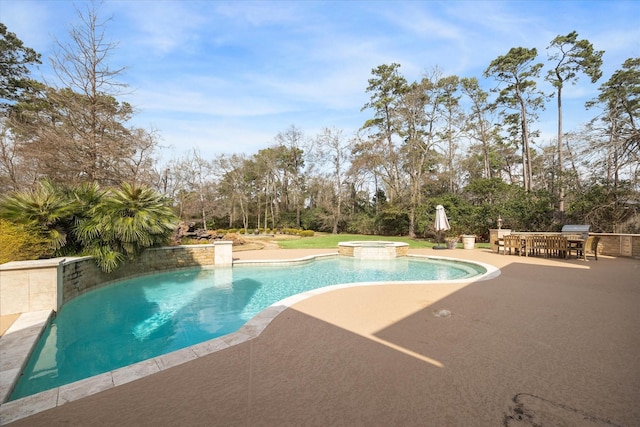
(208,347)
(134,372)
(26,330)
(236,338)
(22,408)
(83,388)
(175,358)
(7,380)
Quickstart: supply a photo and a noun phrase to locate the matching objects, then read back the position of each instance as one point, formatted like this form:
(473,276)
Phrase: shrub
(306,233)
(235,238)
(21,243)
(292,231)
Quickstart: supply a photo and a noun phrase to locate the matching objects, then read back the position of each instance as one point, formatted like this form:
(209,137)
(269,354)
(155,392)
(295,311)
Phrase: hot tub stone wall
(402,251)
(345,250)
(373,249)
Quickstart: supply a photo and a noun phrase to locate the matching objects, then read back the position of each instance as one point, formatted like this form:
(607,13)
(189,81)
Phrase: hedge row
(257,231)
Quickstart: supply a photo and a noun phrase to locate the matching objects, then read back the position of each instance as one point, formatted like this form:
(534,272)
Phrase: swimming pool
(141,318)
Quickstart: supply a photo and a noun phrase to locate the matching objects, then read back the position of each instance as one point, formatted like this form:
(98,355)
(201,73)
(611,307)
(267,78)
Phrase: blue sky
(225,77)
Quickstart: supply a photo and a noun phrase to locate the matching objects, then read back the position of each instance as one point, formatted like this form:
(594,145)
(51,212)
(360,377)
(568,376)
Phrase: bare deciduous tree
(333,152)
(76,130)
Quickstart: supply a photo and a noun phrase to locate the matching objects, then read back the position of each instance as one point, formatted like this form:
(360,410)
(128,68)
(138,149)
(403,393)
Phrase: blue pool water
(141,318)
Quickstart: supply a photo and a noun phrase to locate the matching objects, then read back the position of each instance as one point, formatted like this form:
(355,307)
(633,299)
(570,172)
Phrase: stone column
(30,285)
(223,253)
(495,234)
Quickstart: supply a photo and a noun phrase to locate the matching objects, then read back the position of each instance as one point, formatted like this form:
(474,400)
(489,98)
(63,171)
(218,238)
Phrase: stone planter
(468,241)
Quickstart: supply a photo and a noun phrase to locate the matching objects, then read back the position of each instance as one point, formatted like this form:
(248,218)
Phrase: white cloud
(419,20)
(163,27)
(258,13)
(198,103)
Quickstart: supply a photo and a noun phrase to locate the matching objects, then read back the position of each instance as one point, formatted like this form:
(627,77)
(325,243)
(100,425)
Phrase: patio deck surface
(548,342)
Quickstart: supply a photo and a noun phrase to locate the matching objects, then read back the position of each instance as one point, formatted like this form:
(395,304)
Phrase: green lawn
(330,241)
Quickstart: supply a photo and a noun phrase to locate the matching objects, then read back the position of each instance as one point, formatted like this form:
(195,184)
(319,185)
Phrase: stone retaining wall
(80,275)
(624,245)
(27,286)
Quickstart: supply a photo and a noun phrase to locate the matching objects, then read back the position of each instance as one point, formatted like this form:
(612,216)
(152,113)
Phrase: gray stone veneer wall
(81,274)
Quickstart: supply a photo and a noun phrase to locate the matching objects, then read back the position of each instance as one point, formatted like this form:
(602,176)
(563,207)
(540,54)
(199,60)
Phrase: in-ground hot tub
(376,249)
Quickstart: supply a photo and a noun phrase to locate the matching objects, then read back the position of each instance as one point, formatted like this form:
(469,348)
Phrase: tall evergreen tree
(16,61)
(620,99)
(518,71)
(386,88)
(571,57)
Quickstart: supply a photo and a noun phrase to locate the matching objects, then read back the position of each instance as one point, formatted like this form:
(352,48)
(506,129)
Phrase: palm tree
(45,208)
(124,222)
(111,226)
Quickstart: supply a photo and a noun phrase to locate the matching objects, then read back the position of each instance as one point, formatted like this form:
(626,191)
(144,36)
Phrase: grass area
(330,241)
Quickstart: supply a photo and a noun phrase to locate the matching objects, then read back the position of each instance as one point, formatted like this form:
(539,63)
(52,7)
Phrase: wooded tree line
(439,140)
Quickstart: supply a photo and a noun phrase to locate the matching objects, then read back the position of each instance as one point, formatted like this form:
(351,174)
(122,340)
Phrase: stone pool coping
(16,344)
(29,327)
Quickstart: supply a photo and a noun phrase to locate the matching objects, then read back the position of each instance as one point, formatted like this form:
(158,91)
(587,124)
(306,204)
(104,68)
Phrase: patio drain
(442,313)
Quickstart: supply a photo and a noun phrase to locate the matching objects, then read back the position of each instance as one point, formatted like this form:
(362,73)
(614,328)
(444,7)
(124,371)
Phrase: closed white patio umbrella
(441,223)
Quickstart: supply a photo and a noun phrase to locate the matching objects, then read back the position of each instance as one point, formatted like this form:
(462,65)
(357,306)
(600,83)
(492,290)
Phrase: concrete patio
(548,342)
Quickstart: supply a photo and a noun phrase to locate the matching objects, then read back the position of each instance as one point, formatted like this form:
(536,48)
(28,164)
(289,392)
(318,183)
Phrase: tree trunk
(336,217)
(412,222)
(204,218)
(560,157)
(526,152)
